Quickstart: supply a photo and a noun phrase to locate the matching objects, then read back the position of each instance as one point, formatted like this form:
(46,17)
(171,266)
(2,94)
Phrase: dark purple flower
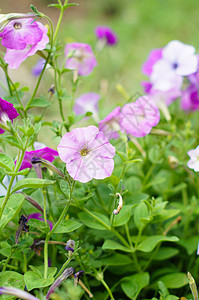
(45,153)
(7,112)
(78,274)
(107,34)
(38,216)
(70,245)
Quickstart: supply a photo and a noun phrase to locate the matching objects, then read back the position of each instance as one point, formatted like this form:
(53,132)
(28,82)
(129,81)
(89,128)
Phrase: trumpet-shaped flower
(139,117)
(38,216)
(20,294)
(7,112)
(80,58)
(177,60)
(23,38)
(193,163)
(87,154)
(45,153)
(111,124)
(107,34)
(87,102)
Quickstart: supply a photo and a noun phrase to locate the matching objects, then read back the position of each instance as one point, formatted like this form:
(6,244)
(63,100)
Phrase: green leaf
(6,162)
(11,279)
(55,5)
(190,244)
(112,245)
(34,280)
(155,155)
(116,260)
(67,226)
(141,212)
(17,255)
(31,183)
(152,241)
(174,280)
(165,253)
(12,208)
(123,216)
(96,221)
(39,102)
(132,285)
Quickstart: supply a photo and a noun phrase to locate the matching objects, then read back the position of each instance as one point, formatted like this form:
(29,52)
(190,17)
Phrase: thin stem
(7,260)
(128,235)
(63,267)
(107,288)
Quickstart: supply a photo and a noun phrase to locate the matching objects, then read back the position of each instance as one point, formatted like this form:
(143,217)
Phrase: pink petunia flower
(7,112)
(139,117)
(87,154)
(23,38)
(154,56)
(80,57)
(87,102)
(190,98)
(111,124)
(45,153)
(177,60)
(193,163)
(107,34)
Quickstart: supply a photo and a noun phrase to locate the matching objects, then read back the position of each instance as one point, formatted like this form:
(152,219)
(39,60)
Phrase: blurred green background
(141,25)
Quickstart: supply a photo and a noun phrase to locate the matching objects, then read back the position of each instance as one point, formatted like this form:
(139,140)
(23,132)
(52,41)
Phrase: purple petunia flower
(154,56)
(87,102)
(190,98)
(70,245)
(38,216)
(7,112)
(45,153)
(111,124)
(107,34)
(80,58)
(23,38)
(37,69)
(87,154)
(139,117)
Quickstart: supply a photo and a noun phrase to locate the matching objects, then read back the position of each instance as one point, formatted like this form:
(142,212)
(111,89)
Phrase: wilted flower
(70,245)
(87,102)
(23,38)
(139,117)
(80,58)
(58,281)
(107,34)
(87,154)
(7,112)
(45,153)
(120,204)
(177,60)
(39,217)
(111,124)
(20,294)
(193,163)
(78,275)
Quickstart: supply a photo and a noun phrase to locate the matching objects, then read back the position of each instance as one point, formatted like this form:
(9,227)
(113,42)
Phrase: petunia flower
(190,98)
(45,153)
(23,38)
(70,245)
(111,124)
(193,163)
(154,56)
(80,58)
(38,67)
(87,103)
(139,117)
(7,112)
(87,154)
(177,60)
(107,34)
(20,294)
(38,216)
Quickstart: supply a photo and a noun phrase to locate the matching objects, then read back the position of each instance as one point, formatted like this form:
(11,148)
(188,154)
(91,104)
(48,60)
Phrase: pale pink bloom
(7,112)
(177,60)
(193,163)
(139,117)
(22,39)
(111,124)
(80,58)
(87,103)
(87,154)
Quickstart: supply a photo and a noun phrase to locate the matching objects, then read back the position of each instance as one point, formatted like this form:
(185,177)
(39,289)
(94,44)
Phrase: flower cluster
(167,67)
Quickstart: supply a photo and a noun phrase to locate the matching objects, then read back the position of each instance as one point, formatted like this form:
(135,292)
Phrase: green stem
(63,267)
(58,23)
(7,260)
(107,288)
(128,235)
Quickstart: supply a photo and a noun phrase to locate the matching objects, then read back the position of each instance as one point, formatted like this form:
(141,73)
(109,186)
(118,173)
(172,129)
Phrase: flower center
(175,66)
(84,152)
(17,25)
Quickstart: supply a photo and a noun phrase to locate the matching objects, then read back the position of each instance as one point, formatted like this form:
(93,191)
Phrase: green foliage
(34,279)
